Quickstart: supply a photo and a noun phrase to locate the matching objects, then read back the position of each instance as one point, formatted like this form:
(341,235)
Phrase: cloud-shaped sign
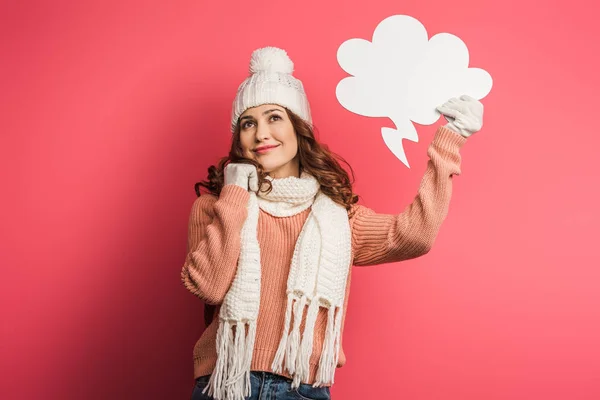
(404,76)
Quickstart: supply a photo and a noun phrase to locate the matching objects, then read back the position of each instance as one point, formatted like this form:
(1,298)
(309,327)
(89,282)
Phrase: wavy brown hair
(314,158)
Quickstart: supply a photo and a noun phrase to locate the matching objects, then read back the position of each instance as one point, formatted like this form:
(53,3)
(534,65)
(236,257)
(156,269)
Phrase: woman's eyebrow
(264,113)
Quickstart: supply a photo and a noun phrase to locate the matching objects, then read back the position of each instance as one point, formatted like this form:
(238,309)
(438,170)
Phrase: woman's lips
(265,149)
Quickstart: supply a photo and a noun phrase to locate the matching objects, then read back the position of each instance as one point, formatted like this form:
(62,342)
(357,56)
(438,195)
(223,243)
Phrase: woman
(276,261)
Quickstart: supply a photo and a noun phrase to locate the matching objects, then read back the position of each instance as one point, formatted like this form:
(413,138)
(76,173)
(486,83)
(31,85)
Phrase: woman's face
(267,136)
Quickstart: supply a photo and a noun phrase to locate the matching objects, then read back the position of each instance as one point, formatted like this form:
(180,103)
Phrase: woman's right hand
(243,175)
(464,115)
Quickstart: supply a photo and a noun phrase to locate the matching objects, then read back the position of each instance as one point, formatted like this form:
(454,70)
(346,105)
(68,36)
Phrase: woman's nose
(262,132)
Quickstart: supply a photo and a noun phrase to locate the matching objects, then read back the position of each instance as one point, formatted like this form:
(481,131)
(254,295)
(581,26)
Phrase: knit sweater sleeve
(214,243)
(383,238)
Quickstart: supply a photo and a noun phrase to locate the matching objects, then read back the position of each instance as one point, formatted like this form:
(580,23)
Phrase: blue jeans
(268,386)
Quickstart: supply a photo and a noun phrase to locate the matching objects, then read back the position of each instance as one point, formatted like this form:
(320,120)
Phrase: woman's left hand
(464,115)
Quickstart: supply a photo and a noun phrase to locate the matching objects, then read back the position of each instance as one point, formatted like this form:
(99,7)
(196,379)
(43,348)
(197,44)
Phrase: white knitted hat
(270,82)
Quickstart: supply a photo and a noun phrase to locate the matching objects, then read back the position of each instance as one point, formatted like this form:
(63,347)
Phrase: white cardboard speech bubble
(402,75)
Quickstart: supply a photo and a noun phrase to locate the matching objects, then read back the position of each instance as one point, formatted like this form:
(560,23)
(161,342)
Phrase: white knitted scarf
(317,278)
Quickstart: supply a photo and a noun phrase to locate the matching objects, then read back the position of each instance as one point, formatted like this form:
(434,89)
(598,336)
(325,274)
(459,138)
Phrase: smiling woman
(270,247)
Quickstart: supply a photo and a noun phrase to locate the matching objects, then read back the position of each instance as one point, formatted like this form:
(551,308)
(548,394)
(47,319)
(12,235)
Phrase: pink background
(111,111)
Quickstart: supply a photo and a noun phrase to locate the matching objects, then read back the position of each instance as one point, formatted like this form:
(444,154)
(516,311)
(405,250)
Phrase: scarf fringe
(306,347)
(230,379)
(293,342)
(331,348)
(297,353)
(277,365)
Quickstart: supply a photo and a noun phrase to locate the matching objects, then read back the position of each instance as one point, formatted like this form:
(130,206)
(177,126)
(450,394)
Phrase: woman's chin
(269,168)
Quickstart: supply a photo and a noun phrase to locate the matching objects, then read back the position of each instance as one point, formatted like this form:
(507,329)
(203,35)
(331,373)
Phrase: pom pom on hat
(271,59)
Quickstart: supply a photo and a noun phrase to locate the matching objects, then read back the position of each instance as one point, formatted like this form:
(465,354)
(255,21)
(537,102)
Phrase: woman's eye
(276,117)
(245,125)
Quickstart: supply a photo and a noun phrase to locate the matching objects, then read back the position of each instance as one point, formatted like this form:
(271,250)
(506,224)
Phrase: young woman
(271,245)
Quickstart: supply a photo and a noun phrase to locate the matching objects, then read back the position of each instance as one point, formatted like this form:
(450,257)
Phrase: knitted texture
(270,82)
(317,278)
(214,243)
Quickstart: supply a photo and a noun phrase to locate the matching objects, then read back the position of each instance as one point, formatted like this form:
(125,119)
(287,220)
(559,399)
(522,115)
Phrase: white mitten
(464,115)
(243,175)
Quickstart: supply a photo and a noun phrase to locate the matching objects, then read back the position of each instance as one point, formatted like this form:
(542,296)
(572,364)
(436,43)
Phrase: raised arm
(214,243)
(384,238)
